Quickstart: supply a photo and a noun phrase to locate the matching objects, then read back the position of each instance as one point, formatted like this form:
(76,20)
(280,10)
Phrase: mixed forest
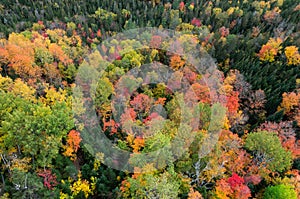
(50,50)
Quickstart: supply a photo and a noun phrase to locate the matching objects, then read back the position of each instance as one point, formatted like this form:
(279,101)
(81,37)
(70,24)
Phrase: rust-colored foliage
(295,180)
(235,159)
(271,15)
(150,117)
(253,179)
(223,189)
(52,72)
(127,121)
(99,33)
(196,22)
(128,115)
(189,75)
(161,100)
(232,95)
(241,100)
(125,186)
(181,6)
(175,81)
(297,7)
(238,161)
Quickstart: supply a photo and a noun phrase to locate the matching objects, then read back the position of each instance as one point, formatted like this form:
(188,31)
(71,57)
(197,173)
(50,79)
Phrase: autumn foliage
(211,110)
(232,187)
(291,105)
(49,179)
(176,62)
(269,51)
(18,54)
(73,144)
(292,55)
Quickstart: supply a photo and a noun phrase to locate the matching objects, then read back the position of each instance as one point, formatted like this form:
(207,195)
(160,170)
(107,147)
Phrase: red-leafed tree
(49,178)
(129,114)
(111,125)
(196,22)
(181,6)
(141,103)
(233,187)
(190,75)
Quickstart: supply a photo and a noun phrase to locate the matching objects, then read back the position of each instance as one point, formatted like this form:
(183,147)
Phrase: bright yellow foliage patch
(292,55)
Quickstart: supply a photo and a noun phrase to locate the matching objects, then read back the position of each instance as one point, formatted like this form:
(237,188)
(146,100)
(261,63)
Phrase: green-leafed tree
(267,150)
(280,192)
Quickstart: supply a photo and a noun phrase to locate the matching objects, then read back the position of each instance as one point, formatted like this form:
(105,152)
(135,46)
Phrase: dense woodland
(44,46)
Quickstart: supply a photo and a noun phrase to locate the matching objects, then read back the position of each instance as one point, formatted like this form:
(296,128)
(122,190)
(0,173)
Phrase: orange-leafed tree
(138,143)
(290,102)
(73,144)
(176,62)
(202,92)
(233,103)
(110,125)
(59,54)
(269,51)
(18,54)
(194,194)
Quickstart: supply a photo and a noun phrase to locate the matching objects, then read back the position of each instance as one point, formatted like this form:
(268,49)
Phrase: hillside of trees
(150,99)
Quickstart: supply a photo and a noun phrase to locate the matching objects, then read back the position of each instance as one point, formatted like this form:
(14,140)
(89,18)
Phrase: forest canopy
(150,99)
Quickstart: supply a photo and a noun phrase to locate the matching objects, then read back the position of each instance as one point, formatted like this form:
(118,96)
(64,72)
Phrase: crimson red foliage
(196,22)
(49,178)
(235,181)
